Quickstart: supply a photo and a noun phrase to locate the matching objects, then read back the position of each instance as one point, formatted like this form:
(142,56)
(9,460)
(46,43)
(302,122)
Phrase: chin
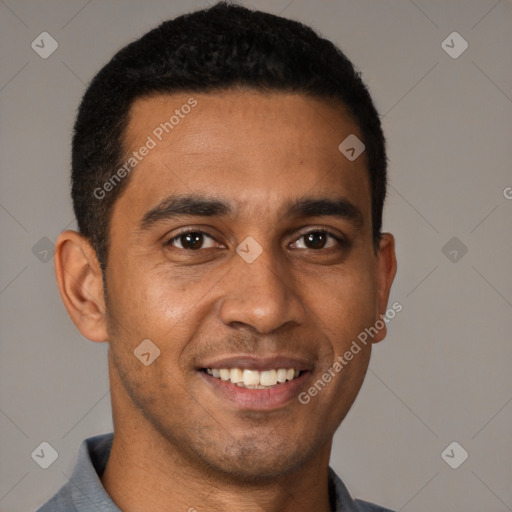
(255,470)
(255,461)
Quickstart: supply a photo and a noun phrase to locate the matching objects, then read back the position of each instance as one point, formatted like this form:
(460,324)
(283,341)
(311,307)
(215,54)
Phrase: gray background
(442,375)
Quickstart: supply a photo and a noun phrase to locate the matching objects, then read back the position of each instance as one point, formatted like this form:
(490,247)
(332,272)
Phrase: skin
(175,435)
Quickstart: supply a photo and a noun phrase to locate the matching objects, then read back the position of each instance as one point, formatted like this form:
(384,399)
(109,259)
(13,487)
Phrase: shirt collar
(86,486)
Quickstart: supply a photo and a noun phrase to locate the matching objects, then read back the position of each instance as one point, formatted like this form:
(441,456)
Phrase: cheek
(151,304)
(148,300)
(344,303)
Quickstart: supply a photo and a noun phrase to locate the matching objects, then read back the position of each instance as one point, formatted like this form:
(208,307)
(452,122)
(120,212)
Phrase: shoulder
(61,502)
(366,506)
(84,488)
(342,501)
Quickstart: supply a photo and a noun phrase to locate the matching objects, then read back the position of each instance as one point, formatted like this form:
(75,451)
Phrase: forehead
(257,149)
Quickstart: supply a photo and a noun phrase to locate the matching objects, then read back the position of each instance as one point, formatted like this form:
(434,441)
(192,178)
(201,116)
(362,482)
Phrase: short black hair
(211,50)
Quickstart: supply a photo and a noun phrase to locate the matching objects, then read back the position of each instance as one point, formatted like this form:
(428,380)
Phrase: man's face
(208,305)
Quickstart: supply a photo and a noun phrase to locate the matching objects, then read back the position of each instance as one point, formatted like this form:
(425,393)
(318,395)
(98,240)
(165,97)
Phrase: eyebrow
(176,206)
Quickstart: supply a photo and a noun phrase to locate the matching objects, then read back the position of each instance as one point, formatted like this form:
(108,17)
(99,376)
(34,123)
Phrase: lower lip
(258,399)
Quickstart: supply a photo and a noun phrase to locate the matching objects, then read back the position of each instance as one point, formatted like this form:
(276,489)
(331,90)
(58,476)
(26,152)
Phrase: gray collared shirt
(84,491)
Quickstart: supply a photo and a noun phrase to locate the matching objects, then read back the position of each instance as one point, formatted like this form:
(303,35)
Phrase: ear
(80,283)
(385,274)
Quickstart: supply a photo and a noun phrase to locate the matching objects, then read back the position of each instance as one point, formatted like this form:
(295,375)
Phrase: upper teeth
(254,378)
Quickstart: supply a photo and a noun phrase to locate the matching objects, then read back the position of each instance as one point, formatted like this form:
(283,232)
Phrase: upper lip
(258,363)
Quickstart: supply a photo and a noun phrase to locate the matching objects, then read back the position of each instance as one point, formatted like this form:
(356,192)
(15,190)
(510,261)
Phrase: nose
(261,295)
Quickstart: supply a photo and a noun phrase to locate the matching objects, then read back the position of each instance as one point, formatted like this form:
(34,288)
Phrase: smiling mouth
(254,379)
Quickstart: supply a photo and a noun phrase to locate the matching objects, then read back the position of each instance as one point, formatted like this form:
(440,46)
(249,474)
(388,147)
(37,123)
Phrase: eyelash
(342,243)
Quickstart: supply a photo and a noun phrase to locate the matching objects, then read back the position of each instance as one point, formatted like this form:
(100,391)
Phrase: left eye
(318,239)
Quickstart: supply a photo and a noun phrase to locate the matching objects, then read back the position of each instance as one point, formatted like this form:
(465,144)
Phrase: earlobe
(385,274)
(80,283)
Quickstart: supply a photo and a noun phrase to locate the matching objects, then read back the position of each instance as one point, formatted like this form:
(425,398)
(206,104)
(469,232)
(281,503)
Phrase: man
(229,174)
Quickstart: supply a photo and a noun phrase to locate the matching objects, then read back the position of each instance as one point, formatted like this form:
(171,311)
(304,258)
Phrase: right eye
(190,240)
